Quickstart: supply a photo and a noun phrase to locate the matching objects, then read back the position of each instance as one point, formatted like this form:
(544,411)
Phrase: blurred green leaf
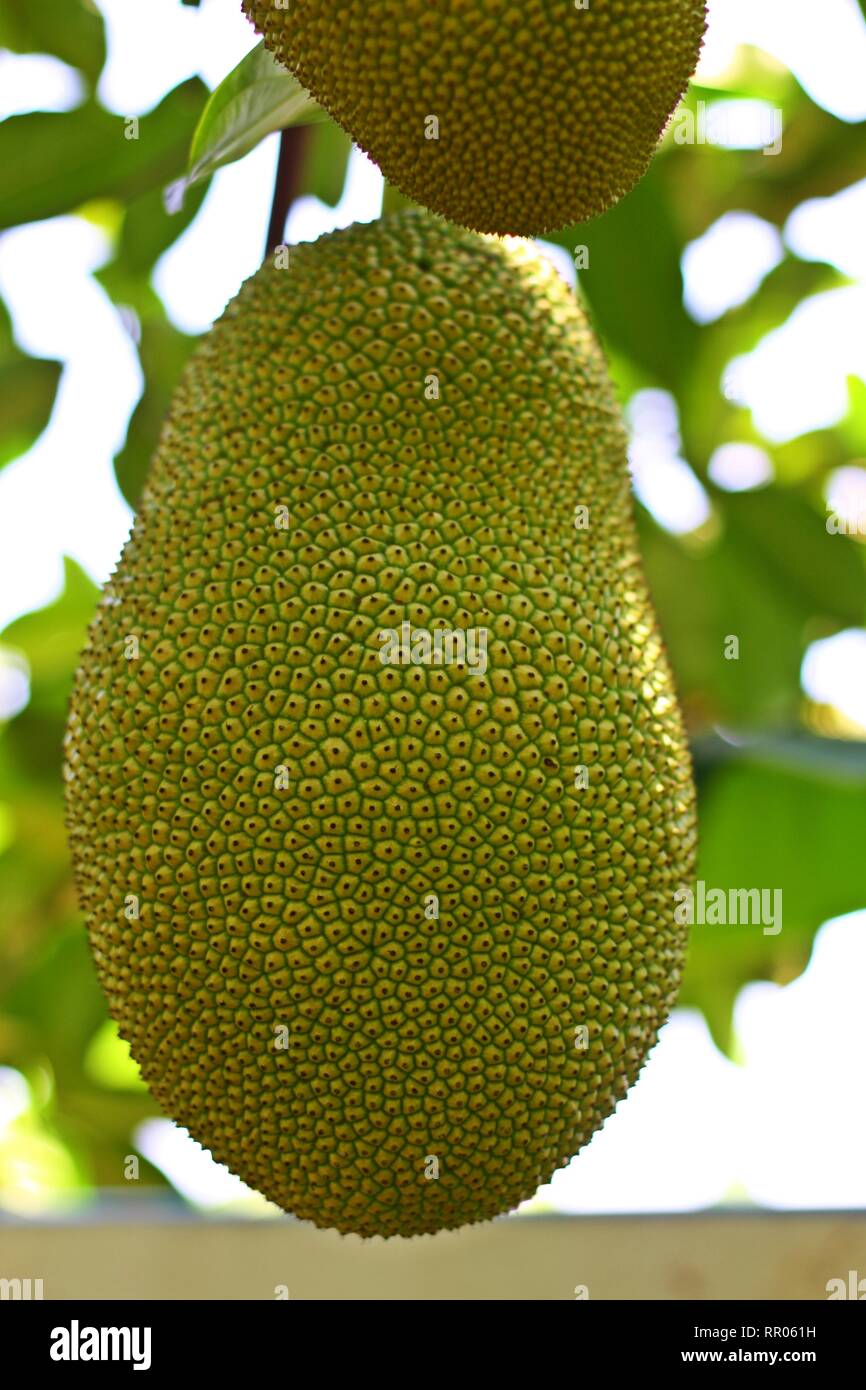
(758,78)
(72,30)
(37,903)
(702,598)
(258,97)
(52,637)
(779,295)
(29,387)
(772,578)
(822,575)
(394,200)
(108,1060)
(60,1005)
(833,759)
(38,1170)
(163,351)
(323,172)
(634,281)
(854,424)
(148,231)
(820,156)
(753,822)
(708,417)
(50,641)
(36,897)
(102,1122)
(54,161)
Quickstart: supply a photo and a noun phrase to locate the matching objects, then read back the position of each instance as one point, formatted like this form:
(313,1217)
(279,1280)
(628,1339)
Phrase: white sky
(695,1127)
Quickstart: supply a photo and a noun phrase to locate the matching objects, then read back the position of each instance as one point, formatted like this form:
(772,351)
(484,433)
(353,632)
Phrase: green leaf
(258,97)
(708,417)
(701,599)
(27,399)
(326,155)
(29,388)
(72,30)
(148,230)
(765,828)
(163,351)
(53,162)
(775,579)
(59,1002)
(37,903)
(814,455)
(393,200)
(830,759)
(821,155)
(636,297)
(822,575)
(108,1061)
(52,637)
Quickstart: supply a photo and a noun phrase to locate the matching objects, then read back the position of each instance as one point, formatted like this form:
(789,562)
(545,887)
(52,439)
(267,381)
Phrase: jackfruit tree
(779,776)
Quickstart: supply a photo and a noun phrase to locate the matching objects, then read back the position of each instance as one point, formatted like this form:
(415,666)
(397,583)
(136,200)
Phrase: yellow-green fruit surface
(353,915)
(507,116)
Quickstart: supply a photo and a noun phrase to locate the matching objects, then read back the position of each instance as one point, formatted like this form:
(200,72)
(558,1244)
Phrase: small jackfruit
(377,787)
(504,117)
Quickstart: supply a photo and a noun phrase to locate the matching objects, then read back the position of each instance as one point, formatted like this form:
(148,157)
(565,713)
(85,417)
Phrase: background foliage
(782,805)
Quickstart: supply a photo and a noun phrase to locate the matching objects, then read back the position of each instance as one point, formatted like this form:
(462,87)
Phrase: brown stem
(287,181)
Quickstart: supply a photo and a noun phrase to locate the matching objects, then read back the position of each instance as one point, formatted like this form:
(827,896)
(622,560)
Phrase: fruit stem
(286,182)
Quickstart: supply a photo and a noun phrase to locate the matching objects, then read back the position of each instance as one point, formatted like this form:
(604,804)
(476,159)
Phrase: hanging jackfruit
(377,787)
(504,117)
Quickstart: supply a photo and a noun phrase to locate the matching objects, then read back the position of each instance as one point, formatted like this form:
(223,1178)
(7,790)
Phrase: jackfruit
(377,787)
(516,118)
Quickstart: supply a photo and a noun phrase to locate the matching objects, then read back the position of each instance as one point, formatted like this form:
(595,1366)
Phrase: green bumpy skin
(264,817)
(548,114)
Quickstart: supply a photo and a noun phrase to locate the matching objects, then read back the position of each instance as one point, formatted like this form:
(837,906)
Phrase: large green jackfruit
(508,116)
(377,786)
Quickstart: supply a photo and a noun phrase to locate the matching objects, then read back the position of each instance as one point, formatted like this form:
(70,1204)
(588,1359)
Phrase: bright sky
(696,1127)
